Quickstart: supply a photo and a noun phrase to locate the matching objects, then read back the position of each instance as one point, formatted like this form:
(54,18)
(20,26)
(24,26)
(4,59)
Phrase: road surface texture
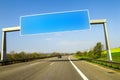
(57,69)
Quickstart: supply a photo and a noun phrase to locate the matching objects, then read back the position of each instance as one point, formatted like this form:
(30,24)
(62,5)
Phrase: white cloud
(58,33)
(48,39)
(69,43)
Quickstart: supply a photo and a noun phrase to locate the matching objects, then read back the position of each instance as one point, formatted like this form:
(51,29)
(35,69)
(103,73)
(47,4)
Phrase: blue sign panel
(55,22)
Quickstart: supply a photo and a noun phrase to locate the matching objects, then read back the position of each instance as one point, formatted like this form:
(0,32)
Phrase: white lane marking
(52,63)
(34,63)
(78,70)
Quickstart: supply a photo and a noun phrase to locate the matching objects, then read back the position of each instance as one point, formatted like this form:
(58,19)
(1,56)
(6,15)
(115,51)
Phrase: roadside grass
(116,56)
(115,52)
(115,64)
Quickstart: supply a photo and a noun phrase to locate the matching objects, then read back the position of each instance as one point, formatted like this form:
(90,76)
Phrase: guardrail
(14,61)
(115,65)
(19,61)
(7,62)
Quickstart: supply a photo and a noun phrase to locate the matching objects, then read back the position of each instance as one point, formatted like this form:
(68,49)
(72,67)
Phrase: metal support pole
(3,51)
(107,42)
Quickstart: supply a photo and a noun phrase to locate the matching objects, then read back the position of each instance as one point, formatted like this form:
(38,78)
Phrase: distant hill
(113,50)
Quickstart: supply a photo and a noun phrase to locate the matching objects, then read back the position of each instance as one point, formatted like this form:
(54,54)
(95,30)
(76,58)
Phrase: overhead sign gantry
(56,22)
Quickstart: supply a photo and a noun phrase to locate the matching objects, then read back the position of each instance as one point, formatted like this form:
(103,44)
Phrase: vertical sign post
(103,22)
(4,43)
(107,43)
(3,51)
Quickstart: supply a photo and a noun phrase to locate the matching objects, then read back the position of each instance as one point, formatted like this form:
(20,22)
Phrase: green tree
(90,54)
(85,53)
(21,56)
(97,50)
(79,53)
(54,54)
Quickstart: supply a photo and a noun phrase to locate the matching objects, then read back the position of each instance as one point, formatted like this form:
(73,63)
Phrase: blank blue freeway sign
(54,22)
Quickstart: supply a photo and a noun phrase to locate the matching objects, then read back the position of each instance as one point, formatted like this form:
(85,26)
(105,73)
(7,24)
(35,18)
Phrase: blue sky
(11,10)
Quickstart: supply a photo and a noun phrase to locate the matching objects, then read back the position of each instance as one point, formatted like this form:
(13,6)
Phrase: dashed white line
(34,63)
(52,63)
(78,70)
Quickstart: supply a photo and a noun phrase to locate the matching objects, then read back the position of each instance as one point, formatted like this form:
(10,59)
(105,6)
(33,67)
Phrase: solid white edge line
(78,70)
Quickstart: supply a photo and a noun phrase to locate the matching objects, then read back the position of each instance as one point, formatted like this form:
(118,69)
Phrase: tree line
(23,56)
(94,53)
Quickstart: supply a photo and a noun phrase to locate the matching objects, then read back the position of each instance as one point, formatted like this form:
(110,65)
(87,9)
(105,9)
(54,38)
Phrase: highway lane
(95,72)
(56,69)
(46,69)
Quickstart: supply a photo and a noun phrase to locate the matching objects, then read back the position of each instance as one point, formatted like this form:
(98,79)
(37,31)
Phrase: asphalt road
(57,69)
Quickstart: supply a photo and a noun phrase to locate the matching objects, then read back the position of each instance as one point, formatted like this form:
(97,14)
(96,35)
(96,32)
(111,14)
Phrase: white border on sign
(57,31)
